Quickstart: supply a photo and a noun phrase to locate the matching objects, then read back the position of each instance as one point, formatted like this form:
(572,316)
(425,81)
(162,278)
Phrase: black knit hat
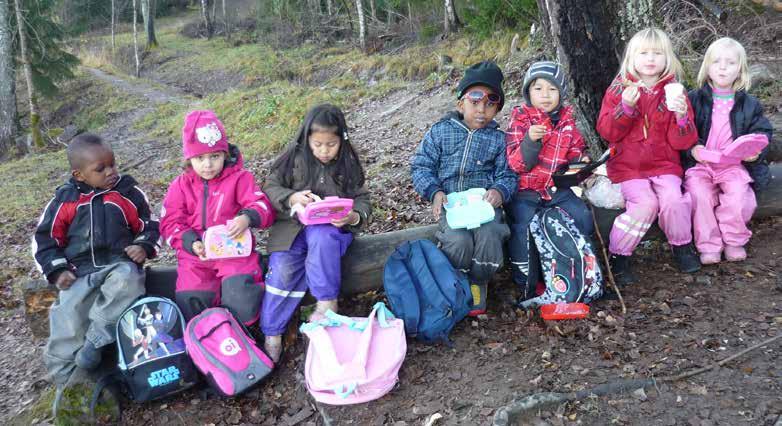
(551,71)
(486,73)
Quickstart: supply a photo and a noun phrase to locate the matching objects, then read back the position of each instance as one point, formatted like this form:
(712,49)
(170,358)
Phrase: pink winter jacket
(192,204)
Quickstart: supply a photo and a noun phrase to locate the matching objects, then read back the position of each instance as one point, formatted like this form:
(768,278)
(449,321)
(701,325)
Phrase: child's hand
(199,250)
(536,132)
(679,106)
(302,197)
(136,253)
(630,96)
(696,153)
(65,280)
(493,197)
(350,219)
(238,226)
(751,159)
(586,159)
(437,204)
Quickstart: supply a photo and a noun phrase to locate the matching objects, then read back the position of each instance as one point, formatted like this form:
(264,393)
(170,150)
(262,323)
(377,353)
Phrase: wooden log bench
(363,263)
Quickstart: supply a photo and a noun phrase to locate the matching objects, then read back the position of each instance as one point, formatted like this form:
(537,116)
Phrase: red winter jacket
(647,142)
(562,144)
(192,204)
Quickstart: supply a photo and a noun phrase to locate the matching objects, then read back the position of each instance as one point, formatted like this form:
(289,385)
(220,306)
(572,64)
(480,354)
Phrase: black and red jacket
(83,229)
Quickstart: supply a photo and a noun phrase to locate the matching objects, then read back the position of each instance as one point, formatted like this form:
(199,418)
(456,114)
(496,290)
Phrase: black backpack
(563,259)
(152,362)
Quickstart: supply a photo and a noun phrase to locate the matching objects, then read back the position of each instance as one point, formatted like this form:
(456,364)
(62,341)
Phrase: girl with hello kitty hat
(213,190)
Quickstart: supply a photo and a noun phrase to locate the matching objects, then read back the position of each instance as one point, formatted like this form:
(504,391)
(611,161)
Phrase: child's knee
(243,295)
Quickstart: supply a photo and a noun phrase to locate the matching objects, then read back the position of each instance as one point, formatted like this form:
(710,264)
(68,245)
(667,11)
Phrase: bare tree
(135,39)
(226,23)
(148,8)
(372,12)
(328,7)
(208,18)
(113,22)
(451,19)
(7,83)
(362,29)
(35,119)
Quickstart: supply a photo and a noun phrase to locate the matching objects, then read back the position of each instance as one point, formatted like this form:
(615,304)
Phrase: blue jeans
(523,207)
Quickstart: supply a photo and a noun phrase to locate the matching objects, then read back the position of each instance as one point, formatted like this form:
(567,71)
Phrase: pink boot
(710,258)
(735,253)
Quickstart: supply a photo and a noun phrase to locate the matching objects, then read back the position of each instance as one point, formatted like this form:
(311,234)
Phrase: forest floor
(674,322)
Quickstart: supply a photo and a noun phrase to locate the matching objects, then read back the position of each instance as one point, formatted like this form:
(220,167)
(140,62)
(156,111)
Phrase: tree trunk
(148,13)
(226,23)
(328,7)
(35,129)
(113,22)
(7,83)
(208,25)
(135,39)
(451,20)
(372,12)
(580,34)
(362,29)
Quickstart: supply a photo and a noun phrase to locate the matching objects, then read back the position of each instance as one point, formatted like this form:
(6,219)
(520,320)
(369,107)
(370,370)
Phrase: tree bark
(580,34)
(208,24)
(226,23)
(35,119)
(451,20)
(7,83)
(113,22)
(362,29)
(135,39)
(328,7)
(372,12)
(148,13)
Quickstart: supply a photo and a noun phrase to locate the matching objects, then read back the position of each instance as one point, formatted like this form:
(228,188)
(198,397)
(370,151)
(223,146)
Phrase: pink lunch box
(326,210)
(220,246)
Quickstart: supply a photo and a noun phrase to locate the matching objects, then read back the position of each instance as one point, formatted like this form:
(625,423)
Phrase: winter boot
(273,347)
(321,308)
(479,293)
(735,253)
(686,258)
(620,268)
(88,357)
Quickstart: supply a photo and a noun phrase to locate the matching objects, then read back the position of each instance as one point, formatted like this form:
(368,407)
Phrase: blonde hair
(743,81)
(655,39)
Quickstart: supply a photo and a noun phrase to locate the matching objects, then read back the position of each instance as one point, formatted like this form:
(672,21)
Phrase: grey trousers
(89,310)
(478,252)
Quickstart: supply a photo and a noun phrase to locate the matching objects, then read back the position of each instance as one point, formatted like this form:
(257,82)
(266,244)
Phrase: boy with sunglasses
(542,138)
(466,149)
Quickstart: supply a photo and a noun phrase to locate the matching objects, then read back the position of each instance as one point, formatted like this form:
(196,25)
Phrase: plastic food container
(324,211)
(561,311)
(220,246)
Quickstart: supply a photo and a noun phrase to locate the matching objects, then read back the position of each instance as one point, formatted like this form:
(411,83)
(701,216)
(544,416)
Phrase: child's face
(724,68)
(98,169)
(208,166)
(649,62)
(324,145)
(477,107)
(544,95)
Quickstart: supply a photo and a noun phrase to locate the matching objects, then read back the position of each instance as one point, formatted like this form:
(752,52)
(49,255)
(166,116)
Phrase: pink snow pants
(723,203)
(656,197)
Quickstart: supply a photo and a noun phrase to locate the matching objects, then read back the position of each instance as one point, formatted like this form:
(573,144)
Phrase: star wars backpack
(152,362)
(561,258)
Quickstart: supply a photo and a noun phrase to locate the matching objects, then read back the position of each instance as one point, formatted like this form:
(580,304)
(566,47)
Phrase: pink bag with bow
(354,360)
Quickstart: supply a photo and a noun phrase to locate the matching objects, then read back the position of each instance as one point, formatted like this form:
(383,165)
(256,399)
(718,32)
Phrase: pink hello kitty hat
(203,133)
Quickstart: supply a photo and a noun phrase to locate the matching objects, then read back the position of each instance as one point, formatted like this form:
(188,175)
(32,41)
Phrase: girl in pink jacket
(214,189)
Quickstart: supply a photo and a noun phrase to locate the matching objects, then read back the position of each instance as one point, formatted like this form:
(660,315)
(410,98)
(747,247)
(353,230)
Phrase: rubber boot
(273,347)
(686,258)
(622,271)
(88,357)
(479,293)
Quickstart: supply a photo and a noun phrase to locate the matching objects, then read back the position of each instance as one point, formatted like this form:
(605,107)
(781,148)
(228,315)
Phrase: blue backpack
(425,291)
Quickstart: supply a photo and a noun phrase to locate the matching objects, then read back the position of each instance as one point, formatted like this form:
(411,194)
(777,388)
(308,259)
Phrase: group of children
(98,230)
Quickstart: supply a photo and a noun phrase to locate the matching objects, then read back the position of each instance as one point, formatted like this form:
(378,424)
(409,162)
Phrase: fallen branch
(133,165)
(508,413)
(609,273)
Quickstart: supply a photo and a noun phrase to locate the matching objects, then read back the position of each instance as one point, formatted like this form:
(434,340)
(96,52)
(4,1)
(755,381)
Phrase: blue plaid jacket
(453,158)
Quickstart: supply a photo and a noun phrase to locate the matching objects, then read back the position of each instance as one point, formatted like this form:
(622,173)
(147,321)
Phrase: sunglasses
(476,96)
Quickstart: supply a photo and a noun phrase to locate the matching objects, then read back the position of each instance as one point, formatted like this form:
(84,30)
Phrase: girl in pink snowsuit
(214,189)
(723,201)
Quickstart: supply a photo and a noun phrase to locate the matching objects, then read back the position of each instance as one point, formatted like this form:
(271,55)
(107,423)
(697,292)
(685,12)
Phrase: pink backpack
(222,350)
(354,360)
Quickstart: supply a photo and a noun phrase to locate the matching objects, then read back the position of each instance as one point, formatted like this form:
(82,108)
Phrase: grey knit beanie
(551,71)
